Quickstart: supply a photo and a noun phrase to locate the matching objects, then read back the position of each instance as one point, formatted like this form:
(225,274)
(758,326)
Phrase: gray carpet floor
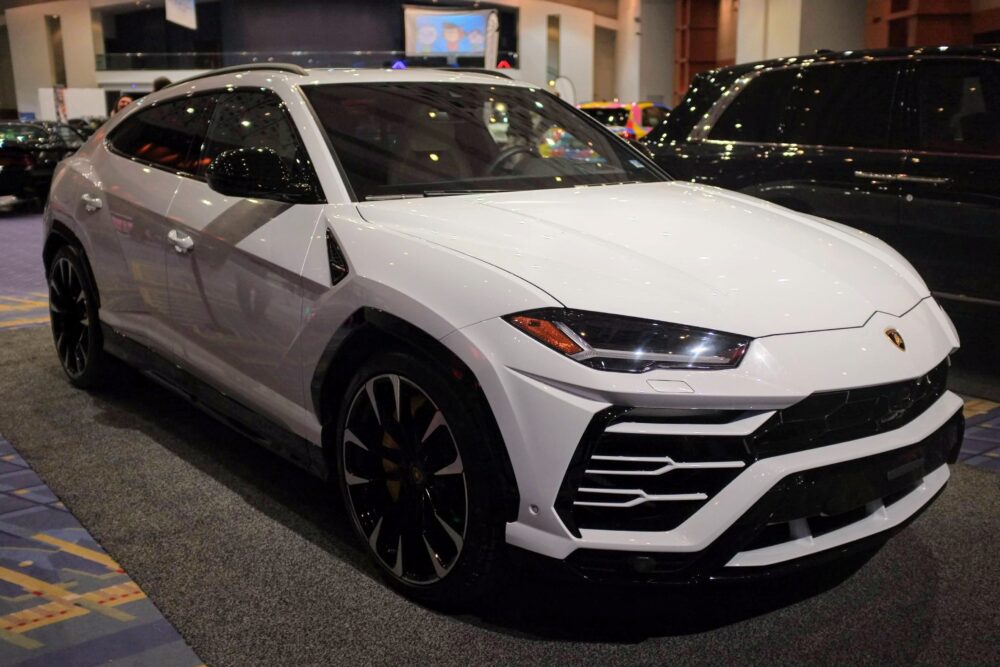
(252,561)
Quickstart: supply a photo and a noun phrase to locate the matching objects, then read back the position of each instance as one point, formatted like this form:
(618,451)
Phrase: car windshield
(24,133)
(429,139)
(612,117)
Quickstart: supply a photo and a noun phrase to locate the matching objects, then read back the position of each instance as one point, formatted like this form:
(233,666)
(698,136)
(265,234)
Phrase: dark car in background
(29,153)
(86,126)
(70,135)
(903,144)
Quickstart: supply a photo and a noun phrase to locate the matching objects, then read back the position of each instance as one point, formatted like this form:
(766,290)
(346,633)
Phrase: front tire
(73,313)
(416,468)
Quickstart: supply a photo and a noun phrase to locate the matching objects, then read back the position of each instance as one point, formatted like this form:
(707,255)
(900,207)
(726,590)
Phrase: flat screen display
(446,32)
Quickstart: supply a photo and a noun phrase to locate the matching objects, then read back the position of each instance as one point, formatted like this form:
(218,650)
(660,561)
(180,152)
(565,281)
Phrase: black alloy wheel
(73,315)
(418,472)
(405,479)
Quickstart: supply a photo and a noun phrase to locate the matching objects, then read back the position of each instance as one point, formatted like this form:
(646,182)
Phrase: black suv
(904,144)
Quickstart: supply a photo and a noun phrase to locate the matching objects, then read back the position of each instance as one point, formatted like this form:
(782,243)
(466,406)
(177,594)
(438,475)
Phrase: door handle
(876,176)
(91,203)
(930,180)
(182,242)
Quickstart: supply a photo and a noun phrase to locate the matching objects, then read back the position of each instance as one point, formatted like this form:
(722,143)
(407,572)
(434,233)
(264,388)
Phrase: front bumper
(808,514)
(545,404)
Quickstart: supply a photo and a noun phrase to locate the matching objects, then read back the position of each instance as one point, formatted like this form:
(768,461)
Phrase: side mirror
(259,173)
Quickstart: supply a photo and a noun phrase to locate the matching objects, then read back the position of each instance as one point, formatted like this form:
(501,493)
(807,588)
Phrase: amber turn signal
(546,332)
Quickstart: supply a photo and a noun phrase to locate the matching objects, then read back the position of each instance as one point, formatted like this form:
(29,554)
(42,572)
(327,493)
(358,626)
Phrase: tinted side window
(756,113)
(252,119)
(958,106)
(842,105)
(168,135)
(701,95)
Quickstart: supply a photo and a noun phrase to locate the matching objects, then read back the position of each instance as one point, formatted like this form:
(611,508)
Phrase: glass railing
(359,59)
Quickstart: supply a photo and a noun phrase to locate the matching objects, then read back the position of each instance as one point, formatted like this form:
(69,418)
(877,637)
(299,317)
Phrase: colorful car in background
(628,120)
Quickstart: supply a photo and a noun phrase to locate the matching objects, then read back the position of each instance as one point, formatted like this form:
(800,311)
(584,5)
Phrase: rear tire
(76,326)
(419,475)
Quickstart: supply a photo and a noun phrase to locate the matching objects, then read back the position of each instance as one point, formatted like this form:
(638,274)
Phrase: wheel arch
(369,330)
(61,235)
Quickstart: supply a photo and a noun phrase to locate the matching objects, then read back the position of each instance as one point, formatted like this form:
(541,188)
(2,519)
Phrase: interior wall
(656,50)
(607,8)
(838,25)
(576,47)
(148,31)
(30,57)
(780,28)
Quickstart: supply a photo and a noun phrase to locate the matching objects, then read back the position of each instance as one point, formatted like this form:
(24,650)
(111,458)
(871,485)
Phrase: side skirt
(216,404)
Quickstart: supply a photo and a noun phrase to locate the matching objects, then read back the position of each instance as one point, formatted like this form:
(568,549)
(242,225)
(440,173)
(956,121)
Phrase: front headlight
(630,344)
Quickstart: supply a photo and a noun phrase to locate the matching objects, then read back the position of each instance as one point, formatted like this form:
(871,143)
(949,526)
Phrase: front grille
(809,503)
(643,482)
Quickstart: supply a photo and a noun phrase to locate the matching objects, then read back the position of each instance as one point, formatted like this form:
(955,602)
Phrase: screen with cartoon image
(446,32)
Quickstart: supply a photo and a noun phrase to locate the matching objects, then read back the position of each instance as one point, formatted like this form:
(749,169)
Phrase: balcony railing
(321,59)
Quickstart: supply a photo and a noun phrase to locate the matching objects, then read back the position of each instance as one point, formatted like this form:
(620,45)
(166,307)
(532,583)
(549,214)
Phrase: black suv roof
(985,50)
(706,87)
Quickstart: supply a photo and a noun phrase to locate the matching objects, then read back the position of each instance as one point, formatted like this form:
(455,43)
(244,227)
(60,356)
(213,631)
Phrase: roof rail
(276,67)
(474,70)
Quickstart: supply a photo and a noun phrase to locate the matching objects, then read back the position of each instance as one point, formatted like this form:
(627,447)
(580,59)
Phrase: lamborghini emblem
(896,339)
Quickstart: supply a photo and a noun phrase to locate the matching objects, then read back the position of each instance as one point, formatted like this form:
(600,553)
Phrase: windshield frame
(633,152)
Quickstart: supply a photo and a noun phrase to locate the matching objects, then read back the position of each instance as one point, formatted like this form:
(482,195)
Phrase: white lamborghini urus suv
(497,328)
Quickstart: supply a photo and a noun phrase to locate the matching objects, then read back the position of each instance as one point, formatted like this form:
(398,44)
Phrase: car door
(950,211)
(835,156)
(135,176)
(234,271)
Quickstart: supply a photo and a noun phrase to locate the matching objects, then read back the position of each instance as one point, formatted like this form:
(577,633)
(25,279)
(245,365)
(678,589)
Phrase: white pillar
(628,50)
(576,47)
(656,50)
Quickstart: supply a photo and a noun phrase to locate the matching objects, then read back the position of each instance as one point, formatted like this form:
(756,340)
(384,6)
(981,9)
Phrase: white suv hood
(674,252)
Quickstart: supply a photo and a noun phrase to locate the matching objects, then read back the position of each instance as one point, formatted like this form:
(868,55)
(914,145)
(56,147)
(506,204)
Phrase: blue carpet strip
(63,600)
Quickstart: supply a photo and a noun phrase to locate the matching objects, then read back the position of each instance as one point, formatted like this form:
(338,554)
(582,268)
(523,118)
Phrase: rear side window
(256,119)
(756,115)
(847,104)
(958,107)
(167,135)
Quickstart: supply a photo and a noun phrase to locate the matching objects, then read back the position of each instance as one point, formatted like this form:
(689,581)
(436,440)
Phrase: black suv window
(844,104)
(701,95)
(167,135)
(958,106)
(756,113)
(256,119)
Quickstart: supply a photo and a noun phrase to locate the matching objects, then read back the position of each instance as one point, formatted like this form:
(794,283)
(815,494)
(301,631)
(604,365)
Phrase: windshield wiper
(460,191)
(410,195)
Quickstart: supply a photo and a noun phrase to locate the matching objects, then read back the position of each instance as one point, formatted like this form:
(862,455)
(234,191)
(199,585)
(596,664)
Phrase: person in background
(122,102)
(160,82)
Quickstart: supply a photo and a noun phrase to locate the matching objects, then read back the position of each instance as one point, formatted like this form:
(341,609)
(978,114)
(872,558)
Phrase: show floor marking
(22,310)
(63,599)
(981,447)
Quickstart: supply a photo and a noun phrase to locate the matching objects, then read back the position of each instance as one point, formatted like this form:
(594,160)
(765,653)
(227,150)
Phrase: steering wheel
(506,154)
